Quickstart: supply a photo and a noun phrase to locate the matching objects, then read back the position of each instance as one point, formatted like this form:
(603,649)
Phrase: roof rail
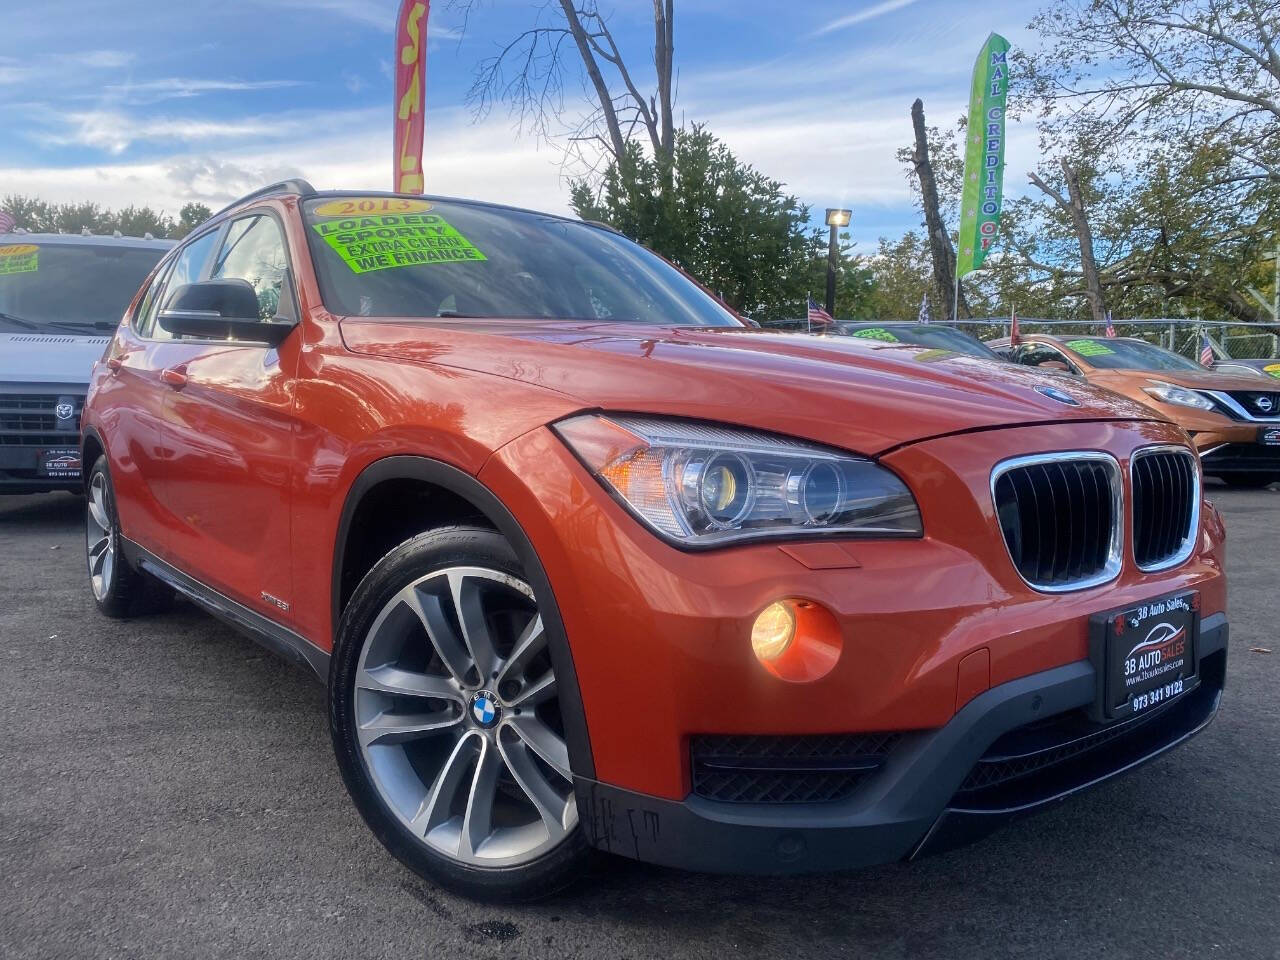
(297,186)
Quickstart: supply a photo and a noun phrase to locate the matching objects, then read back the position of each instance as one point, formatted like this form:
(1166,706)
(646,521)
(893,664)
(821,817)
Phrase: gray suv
(61,297)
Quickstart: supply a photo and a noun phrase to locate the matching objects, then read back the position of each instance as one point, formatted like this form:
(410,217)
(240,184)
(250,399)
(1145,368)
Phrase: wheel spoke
(108,566)
(539,691)
(437,804)
(400,727)
(527,646)
(542,741)
(440,632)
(97,511)
(477,822)
(98,554)
(552,807)
(468,603)
(406,683)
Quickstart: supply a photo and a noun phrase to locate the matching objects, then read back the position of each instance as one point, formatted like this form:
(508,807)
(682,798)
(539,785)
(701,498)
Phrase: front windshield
(379,256)
(61,287)
(1109,353)
(928,335)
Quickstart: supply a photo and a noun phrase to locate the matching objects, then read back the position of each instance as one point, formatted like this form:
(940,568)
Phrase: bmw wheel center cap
(484,709)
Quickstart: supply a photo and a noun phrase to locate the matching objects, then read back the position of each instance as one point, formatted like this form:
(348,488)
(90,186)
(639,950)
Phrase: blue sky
(137,101)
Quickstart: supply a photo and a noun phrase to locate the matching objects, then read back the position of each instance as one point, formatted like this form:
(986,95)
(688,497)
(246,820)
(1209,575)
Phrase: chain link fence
(1229,340)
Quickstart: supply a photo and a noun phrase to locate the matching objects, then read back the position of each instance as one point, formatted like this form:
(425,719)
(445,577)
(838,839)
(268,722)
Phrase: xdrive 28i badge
(1053,393)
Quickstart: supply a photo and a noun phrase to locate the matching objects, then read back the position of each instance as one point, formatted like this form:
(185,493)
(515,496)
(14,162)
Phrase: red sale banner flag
(410,95)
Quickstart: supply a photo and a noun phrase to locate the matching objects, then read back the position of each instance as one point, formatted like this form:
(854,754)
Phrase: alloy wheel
(458,718)
(100,538)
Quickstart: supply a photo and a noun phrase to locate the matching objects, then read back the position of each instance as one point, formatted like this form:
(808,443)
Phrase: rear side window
(254,251)
(145,319)
(187,268)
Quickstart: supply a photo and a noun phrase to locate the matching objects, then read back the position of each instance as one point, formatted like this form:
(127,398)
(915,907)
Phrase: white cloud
(149,91)
(480,161)
(861,16)
(99,59)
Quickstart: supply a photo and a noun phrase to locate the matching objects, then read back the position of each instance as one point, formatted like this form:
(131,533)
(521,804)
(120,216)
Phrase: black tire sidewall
(434,550)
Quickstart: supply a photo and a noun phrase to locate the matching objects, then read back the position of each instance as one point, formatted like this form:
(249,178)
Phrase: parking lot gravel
(167,789)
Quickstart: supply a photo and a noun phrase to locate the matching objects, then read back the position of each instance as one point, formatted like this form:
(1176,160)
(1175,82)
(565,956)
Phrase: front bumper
(938,788)
(1241,459)
(37,422)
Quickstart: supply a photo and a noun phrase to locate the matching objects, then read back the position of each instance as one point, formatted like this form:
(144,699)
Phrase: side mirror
(220,310)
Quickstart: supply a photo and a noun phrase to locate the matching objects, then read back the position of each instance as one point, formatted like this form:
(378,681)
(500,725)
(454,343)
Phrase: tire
(445,720)
(118,589)
(1249,481)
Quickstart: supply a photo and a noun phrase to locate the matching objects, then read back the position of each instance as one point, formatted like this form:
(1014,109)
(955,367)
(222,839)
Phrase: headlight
(1179,396)
(703,484)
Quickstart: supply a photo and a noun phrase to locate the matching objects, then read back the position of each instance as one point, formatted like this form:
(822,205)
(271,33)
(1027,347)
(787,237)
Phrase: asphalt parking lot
(167,789)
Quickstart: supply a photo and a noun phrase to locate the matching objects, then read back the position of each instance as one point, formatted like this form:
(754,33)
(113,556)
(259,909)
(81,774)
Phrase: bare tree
(529,74)
(941,251)
(1073,205)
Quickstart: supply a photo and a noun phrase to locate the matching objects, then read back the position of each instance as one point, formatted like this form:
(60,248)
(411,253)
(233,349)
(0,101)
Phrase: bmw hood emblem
(1053,393)
(484,708)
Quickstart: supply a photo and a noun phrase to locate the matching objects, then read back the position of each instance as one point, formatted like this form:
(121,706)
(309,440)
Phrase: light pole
(835,220)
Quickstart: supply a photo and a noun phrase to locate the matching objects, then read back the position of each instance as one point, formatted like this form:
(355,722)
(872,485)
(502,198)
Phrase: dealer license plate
(1145,654)
(60,463)
(1269,436)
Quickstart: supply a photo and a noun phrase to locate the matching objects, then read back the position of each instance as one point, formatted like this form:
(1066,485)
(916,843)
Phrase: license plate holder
(1144,655)
(1269,436)
(60,463)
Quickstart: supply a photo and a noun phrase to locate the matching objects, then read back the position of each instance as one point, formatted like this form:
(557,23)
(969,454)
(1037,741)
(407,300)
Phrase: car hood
(55,358)
(861,395)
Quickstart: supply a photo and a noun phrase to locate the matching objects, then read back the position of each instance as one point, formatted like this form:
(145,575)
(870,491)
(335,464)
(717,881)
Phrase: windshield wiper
(91,324)
(18,321)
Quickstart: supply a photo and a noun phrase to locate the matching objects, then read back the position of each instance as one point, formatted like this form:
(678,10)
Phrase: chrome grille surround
(1187,543)
(1112,556)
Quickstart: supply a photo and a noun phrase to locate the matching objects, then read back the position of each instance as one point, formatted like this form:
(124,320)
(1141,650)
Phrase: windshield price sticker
(1273,369)
(19,258)
(1089,348)
(877,333)
(382,242)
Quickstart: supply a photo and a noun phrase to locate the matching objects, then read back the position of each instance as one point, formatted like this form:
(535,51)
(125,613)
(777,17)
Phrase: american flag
(1206,351)
(1111,327)
(924,309)
(818,315)
(6,221)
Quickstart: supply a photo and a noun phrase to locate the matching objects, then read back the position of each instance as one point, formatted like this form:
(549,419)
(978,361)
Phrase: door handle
(175,377)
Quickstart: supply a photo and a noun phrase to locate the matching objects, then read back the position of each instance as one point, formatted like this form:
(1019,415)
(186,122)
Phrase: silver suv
(61,297)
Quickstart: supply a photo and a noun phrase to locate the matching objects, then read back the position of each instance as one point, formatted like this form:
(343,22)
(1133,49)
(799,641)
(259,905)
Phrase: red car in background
(588,563)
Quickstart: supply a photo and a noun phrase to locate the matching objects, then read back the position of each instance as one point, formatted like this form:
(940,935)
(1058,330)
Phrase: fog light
(796,640)
(773,631)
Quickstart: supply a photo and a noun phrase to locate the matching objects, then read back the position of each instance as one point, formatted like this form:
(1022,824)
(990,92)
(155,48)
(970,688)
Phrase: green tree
(41,216)
(1168,114)
(728,225)
(189,217)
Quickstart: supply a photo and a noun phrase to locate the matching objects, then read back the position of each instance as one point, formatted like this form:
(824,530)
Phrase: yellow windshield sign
(19,258)
(369,206)
(366,244)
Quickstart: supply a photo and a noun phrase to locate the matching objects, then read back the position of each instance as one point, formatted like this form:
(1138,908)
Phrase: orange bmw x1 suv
(588,562)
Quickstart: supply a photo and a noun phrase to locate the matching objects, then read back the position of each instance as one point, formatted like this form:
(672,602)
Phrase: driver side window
(254,251)
(1037,354)
(188,266)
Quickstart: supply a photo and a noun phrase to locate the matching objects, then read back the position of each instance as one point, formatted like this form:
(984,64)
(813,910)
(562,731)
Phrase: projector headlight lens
(706,484)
